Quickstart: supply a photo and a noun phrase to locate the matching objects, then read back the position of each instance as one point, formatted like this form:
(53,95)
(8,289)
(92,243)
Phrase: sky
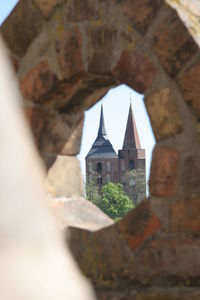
(6,7)
(116,106)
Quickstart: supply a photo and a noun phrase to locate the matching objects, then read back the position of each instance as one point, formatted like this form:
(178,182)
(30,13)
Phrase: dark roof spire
(102,147)
(131,138)
(102,129)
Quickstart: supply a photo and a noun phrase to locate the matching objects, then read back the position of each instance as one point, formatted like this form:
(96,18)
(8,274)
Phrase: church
(105,165)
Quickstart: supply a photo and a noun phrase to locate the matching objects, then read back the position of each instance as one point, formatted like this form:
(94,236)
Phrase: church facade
(104,165)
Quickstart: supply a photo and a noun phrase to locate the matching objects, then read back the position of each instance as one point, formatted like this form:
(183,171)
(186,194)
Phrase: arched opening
(99,167)
(116,116)
(131,164)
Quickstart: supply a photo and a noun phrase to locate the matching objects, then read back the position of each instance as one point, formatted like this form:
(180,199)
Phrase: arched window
(90,167)
(108,166)
(99,167)
(99,179)
(108,178)
(131,165)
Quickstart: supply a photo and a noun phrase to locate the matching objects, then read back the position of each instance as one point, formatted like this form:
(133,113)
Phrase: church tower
(102,161)
(131,157)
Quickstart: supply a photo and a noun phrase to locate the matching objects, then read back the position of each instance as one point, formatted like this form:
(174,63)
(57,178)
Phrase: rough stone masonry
(67,55)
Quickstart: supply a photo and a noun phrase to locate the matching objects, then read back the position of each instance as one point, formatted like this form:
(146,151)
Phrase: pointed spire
(131,138)
(102,129)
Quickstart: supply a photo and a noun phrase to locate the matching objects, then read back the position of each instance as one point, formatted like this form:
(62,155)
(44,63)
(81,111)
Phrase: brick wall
(67,55)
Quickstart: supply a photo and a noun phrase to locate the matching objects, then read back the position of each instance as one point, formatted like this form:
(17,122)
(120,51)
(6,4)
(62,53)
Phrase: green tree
(113,201)
(92,191)
(136,185)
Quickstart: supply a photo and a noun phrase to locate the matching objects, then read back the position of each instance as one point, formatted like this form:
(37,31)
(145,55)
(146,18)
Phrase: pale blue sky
(5,8)
(116,105)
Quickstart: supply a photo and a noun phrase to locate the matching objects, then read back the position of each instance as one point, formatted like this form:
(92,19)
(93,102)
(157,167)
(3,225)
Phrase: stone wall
(67,54)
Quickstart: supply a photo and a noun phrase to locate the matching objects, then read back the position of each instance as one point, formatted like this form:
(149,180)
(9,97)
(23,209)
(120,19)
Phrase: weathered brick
(55,132)
(101,42)
(61,94)
(72,146)
(68,49)
(163,114)
(19,34)
(168,294)
(189,175)
(77,10)
(46,7)
(77,94)
(140,224)
(178,257)
(135,70)
(189,84)
(92,250)
(153,293)
(163,171)
(141,13)
(38,81)
(185,216)
(172,44)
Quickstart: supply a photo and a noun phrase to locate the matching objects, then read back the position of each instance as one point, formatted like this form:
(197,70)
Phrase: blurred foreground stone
(35,263)
(189,12)
(79,213)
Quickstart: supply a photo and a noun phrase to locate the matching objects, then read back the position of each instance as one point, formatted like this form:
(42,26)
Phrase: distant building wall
(110,166)
(131,159)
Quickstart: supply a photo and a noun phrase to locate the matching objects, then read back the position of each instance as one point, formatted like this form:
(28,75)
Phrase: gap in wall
(116,105)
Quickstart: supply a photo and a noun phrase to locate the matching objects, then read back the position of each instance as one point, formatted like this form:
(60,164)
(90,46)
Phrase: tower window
(108,166)
(108,178)
(90,167)
(131,165)
(99,167)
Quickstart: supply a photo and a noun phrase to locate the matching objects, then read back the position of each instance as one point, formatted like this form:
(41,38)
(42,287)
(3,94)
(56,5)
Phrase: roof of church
(102,129)
(102,147)
(131,138)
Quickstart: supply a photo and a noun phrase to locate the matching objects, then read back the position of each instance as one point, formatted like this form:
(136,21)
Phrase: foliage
(113,201)
(136,185)
(92,191)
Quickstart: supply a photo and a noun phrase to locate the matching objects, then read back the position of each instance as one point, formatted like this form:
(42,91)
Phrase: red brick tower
(131,157)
